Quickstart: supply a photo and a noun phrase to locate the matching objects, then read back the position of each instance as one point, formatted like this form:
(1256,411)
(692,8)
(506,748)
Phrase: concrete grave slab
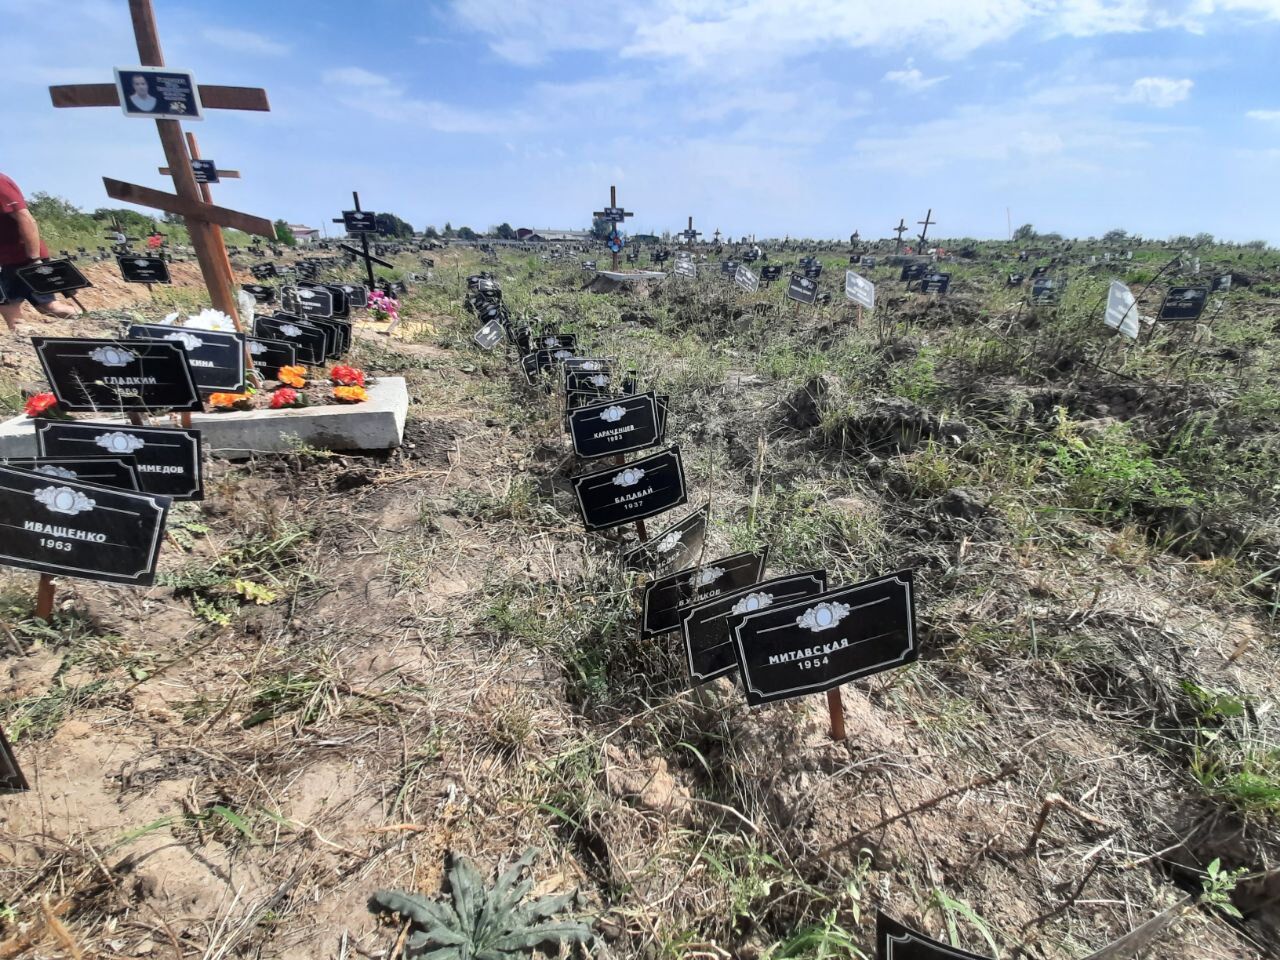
(376,424)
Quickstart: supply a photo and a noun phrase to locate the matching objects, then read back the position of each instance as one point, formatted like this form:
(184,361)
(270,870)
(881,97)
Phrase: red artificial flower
(346,376)
(284,397)
(41,404)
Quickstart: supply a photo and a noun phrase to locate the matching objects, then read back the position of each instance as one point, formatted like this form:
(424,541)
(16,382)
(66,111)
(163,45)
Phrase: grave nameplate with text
(633,491)
(217,359)
(665,599)
(621,425)
(108,376)
(138,269)
(118,472)
(167,459)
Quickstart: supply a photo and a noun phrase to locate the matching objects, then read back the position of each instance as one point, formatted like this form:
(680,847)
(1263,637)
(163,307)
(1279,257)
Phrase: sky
(768,117)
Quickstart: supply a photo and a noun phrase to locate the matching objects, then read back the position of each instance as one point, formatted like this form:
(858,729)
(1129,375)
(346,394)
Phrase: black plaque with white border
(360,221)
(620,425)
(205,171)
(307,302)
(913,271)
(216,358)
(357,294)
(1045,291)
(557,341)
(938,283)
(896,942)
(261,292)
(53,276)
(72,529)
(120,473)
(140,269)
(802,289)
(674,548)
(308,341)
(665,599)
(336,333)
(168,459)
(822,642)
(633,491)
(490,335)
(111,376)
(270,355)
(703,626)
(1183,303)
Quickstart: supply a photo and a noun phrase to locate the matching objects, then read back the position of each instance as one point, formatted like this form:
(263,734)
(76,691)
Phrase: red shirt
(12,251)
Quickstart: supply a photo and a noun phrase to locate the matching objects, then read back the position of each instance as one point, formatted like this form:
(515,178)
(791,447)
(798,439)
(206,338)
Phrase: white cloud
(1161,92)
(911,79)
(1269,116)
(379,96)
(244,41)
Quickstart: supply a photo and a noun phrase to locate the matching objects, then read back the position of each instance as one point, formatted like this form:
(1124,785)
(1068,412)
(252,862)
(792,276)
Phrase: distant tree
(284,234)
(466,233)
(1203,239)
(44,206)
(392,226)
(1025,232)
(1256,245)
(1115,236)
(448,230)
(431,233)
(504,231)
(600,229)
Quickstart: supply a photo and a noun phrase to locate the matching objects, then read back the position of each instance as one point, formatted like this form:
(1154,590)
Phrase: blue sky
(807,117)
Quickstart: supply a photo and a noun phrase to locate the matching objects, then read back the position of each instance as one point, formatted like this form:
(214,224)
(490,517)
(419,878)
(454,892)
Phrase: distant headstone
(270,355)
(935,283)
(307,340)
(1122,310)
(745,279)
(1183,303)
(860,290)
(261,293)
(140,269)
(359,221)
(802,289)
(490,335)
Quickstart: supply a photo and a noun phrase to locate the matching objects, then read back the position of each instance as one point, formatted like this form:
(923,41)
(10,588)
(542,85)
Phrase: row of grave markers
(785,636)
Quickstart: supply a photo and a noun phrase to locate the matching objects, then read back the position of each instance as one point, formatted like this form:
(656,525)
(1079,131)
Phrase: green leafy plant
(479,923)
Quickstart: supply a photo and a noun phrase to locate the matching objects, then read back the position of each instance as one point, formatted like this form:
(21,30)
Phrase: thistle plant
(480,923)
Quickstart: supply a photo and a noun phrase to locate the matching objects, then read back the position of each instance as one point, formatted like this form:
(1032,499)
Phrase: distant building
(553,236)
(304,234)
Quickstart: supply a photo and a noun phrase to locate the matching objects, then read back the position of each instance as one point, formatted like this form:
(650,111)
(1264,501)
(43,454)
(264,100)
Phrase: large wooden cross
(204,219)
(926,222)
(900,229)
(689,233)
(613,214)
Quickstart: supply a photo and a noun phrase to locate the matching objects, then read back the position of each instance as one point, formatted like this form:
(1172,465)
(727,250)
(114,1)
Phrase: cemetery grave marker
(860,290)
(925,224)
(11,778)
(913,271)
(900,229)
(1222,284)
(1122,310)
(270,355)
(62,527)
(307,302)
(490,335)
(771,273)
(167,459)
(90,375)
(203,220)
(615,215)
(1045,291)
(745,279)
(1183,303)
(815,645)
(801,289)
(616,426)
(361,223)
(896,942)
(674,548)
(50,277)
(1015,280)
(204,171)
(261,293)
(728,268)
(869,263)
(704,626)
(686,268)
(665,599)
(309,341)
(143,269)
(118,472)
(217,359)
(935,283)
(632,491)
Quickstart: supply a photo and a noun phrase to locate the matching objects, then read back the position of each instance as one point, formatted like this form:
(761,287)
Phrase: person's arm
(28,232)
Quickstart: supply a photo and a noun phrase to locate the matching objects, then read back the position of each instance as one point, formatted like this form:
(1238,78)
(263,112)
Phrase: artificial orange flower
(229,401)
(294,376)
(350,394)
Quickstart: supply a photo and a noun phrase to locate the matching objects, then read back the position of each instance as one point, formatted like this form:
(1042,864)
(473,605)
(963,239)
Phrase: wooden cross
(363,252)
(925,223)
(716,236)
(900,229)
(204,220)
(690,234)
(614,214)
